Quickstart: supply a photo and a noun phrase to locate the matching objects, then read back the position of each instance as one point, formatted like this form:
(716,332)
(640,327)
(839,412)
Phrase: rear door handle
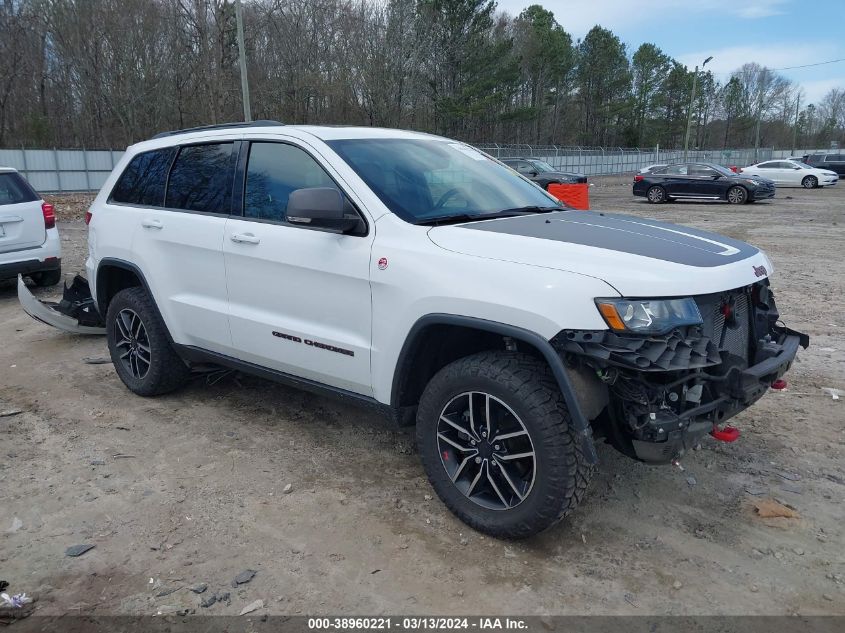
(245,238)
(152,224)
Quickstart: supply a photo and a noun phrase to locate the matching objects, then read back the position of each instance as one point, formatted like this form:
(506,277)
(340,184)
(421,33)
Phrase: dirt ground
(187,489)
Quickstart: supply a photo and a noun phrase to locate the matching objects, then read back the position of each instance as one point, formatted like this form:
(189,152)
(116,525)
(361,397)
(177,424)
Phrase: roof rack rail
(219,126)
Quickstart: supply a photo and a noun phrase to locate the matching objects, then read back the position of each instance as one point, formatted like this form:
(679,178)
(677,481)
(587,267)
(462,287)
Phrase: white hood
(640,258)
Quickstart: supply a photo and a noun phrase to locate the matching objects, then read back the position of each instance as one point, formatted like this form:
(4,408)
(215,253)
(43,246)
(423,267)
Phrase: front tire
(810,182)
(138,344)
(656,195)
(497,444)
(737,195)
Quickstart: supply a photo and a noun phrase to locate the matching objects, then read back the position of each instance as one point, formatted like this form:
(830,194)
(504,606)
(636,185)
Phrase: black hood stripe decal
(648,238)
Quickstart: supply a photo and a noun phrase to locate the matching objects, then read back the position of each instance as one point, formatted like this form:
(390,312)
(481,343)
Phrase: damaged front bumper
(662,394)
(75,313)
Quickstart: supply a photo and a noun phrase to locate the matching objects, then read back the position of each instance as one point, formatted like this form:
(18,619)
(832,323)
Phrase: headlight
(648,316)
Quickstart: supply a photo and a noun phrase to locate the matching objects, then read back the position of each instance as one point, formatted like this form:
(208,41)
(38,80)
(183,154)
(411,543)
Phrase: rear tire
(140,350)
(656,195)
(47,277)
(737,195)
(810,182)
(507,494)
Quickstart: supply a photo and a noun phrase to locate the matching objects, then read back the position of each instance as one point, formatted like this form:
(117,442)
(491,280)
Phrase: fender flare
(555,362)
(116,263)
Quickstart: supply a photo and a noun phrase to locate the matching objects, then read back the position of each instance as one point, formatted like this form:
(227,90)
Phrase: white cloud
(579,16)
(814,91)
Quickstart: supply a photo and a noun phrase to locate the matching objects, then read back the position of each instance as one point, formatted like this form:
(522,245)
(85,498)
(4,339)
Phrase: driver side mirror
(796,167)
(717,176)
(533,174)
(319,207)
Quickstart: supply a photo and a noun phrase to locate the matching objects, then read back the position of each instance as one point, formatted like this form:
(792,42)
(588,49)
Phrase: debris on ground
(78,550)
(208,601)
(244,577)
(96,360)
(252,606)
(769,508)
(287,489)
(836,394)
(17,524)
(167,591)
(200,588)
(16,601)
(10,412)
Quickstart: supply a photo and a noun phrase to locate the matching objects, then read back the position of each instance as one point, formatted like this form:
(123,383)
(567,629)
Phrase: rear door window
(14,189)
(201,179)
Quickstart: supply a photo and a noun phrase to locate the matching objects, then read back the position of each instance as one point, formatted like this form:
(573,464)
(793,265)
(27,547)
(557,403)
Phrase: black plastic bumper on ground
(27,267)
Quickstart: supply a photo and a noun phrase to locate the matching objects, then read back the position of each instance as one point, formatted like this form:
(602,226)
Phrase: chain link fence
(57,170)
(609,161)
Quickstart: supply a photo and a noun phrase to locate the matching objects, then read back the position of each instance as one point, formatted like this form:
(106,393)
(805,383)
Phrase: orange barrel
(576,196)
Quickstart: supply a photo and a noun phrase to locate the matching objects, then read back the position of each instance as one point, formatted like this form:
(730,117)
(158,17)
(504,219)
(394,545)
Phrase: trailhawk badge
(760,271)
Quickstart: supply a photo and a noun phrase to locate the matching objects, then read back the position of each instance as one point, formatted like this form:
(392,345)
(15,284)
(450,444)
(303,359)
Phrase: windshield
(420,179)
(542,165)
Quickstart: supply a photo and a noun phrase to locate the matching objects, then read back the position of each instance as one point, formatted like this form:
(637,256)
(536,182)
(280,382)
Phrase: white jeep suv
(29,239)
(421,277)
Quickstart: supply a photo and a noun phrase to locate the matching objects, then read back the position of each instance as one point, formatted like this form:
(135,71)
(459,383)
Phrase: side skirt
(191,354)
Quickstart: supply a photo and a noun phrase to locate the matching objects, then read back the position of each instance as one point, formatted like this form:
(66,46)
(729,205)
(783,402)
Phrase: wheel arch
(435,340)
(114,275)
(741,186)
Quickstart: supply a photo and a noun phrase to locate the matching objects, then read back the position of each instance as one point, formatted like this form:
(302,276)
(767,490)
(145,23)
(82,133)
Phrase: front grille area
(730,334)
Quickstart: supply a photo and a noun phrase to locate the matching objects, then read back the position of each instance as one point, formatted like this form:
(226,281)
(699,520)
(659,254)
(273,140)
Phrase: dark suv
(833,162)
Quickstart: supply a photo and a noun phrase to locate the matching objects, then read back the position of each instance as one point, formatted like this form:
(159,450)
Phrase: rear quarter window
(144,179)
(202,178)
(14,189)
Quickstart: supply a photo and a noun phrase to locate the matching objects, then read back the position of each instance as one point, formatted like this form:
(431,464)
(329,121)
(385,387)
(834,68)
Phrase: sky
(773,33)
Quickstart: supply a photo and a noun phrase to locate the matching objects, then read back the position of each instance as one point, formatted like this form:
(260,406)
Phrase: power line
(832,61)
(733,72)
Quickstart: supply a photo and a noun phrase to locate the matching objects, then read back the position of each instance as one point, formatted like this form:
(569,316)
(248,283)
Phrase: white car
(420,277)
(29,239)
(792,173)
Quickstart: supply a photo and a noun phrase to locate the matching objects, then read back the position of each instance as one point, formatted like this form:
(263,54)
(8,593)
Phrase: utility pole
(795,128)
(691,102)
(757,132)
(242,56)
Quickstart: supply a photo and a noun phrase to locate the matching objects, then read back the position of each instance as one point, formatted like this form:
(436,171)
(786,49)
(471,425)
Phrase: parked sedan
(542,173)
(701,181)
(792,173)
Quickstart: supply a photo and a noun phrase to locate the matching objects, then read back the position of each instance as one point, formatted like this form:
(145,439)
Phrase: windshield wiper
(470,217)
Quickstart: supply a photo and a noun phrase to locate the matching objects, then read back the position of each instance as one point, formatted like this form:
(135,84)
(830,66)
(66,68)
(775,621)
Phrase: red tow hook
(779,385)
(727,434)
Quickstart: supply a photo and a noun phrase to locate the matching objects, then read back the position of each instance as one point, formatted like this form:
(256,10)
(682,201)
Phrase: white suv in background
(418,276)
(29,239)
(792,173)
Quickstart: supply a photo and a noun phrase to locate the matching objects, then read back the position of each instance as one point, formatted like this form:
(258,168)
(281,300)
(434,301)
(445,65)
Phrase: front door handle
(245,238)
(152,224)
